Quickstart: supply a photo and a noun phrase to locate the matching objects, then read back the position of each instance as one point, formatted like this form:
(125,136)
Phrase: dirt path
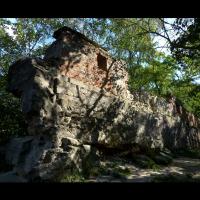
(181,170)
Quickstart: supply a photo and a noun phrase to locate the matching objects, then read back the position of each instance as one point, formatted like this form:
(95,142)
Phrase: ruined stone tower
(76,102)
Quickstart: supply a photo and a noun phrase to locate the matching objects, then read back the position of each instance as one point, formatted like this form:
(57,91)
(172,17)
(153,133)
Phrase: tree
(130,39)
(27,37)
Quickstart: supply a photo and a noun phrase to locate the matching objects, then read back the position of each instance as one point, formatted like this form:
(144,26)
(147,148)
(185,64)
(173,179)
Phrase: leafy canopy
(130,39)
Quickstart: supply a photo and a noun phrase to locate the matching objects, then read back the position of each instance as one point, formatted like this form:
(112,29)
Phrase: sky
(160,40)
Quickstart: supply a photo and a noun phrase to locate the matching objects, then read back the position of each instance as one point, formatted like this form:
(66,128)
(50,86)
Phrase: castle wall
(71,112)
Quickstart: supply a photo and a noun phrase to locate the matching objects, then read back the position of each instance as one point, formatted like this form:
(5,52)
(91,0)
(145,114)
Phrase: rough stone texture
(77,57)
(76,101)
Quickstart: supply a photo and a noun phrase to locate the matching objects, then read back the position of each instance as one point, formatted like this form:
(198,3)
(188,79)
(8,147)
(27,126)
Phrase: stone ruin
(77,105)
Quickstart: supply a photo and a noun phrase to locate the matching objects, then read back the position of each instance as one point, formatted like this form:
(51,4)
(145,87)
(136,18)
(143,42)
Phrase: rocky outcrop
(76,103)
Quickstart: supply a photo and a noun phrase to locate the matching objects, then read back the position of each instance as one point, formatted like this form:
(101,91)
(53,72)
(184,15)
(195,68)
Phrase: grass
(154,166)
(110,169)
(126,171)
(73,177)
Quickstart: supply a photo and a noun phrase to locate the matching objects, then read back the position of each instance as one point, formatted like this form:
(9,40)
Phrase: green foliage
(156,78)
(130,39)
(145,162)
(27,37)
(124,38)
(186,50)
(188,43)
(112,168)
(72,177)
(12,122)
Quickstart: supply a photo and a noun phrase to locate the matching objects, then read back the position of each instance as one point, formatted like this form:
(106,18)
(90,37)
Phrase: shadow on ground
(119,170)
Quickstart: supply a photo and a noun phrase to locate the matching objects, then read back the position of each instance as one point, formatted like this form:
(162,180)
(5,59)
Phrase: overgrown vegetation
(146,163)
(72,177)
(113,169)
